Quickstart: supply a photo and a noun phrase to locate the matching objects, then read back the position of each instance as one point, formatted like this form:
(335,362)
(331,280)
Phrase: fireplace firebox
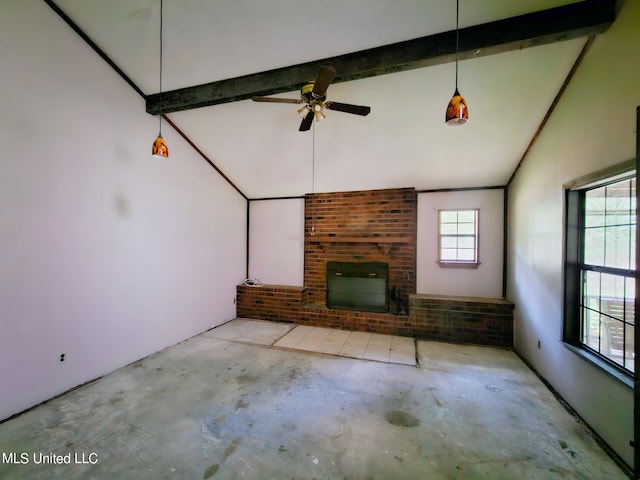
(361,286)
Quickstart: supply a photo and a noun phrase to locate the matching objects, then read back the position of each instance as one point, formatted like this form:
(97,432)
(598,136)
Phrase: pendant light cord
(457,39)
(313,159)
(313,176)
(161,9)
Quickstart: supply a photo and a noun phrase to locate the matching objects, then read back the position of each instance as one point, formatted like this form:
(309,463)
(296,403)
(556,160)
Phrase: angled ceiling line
(135,87)
(94,46)
(203,155)
(552,106)
(575,20)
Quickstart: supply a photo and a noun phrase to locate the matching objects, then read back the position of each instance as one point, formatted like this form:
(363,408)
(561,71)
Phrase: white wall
(484,281)
(107,255)
(276,241)
(593,127)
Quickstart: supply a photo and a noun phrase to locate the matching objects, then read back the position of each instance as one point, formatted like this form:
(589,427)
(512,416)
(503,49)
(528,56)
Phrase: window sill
(458,264)
(624,377)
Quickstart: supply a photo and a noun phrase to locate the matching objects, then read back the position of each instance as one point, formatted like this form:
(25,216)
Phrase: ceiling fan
(313,95)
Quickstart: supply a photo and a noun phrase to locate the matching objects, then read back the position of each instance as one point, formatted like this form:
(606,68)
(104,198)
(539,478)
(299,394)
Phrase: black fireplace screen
(358,286)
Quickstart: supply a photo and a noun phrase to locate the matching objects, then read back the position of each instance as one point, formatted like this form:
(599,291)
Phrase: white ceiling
(402,143)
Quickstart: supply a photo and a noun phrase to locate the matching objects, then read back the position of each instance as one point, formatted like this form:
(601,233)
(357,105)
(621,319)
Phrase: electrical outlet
(538,344)
(62,356)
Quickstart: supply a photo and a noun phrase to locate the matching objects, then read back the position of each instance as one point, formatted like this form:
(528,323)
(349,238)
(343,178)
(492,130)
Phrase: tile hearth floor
(361,345)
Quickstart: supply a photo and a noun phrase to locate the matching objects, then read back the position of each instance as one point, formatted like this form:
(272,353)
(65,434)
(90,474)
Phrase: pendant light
(313,178)
(160,148)
(457,112)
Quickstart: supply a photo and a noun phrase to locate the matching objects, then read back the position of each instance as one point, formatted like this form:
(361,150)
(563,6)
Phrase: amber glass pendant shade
(457,111)
(160,149)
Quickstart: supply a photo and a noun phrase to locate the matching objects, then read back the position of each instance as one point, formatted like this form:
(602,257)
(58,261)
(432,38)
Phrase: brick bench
(480,321)
(474,320)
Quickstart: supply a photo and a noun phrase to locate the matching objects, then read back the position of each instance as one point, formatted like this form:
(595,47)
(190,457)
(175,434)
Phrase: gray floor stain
(247,379)
(232,446)
(211,471)
(401,419)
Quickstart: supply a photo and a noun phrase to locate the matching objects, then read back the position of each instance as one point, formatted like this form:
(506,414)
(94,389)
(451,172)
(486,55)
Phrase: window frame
(574,222)
(476,236)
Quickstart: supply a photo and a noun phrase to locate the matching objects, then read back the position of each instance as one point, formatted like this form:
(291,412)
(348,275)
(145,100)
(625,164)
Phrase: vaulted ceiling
(404,142)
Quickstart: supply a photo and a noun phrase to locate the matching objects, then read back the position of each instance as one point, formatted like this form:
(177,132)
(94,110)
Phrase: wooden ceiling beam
(582,19)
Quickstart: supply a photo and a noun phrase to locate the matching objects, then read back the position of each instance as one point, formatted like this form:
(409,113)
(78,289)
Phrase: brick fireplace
(358,227)
(364,227)
(373,228)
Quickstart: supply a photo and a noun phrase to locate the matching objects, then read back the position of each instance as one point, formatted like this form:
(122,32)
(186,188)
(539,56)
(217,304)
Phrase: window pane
(612,344)
(591,290)
(612,287)
(467,242)
(617,241)
(448,216)
(594,208)
(632,250)
(449,229)
(613,307)
(448,254)
(630,299)
(617,203)
(629,352)
(613,219)
(466,228)
(467,216)
(466,255)
(594,246)
(590,315)
(590,328)
(629,318)
(448,242)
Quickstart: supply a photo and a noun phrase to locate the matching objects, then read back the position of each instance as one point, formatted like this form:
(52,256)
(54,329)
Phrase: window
(458,237)
(601,270)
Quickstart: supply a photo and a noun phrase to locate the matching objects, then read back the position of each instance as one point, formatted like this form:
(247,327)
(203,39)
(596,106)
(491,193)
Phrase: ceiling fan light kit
(303,111)
(457,112)
(313,95)
(160,148)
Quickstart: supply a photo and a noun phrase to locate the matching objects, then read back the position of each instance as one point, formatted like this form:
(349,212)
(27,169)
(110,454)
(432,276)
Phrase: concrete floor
(228,404)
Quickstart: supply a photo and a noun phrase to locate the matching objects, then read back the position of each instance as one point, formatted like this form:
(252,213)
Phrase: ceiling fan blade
(348,108)
(276,100)
(324,78)
(306,122)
